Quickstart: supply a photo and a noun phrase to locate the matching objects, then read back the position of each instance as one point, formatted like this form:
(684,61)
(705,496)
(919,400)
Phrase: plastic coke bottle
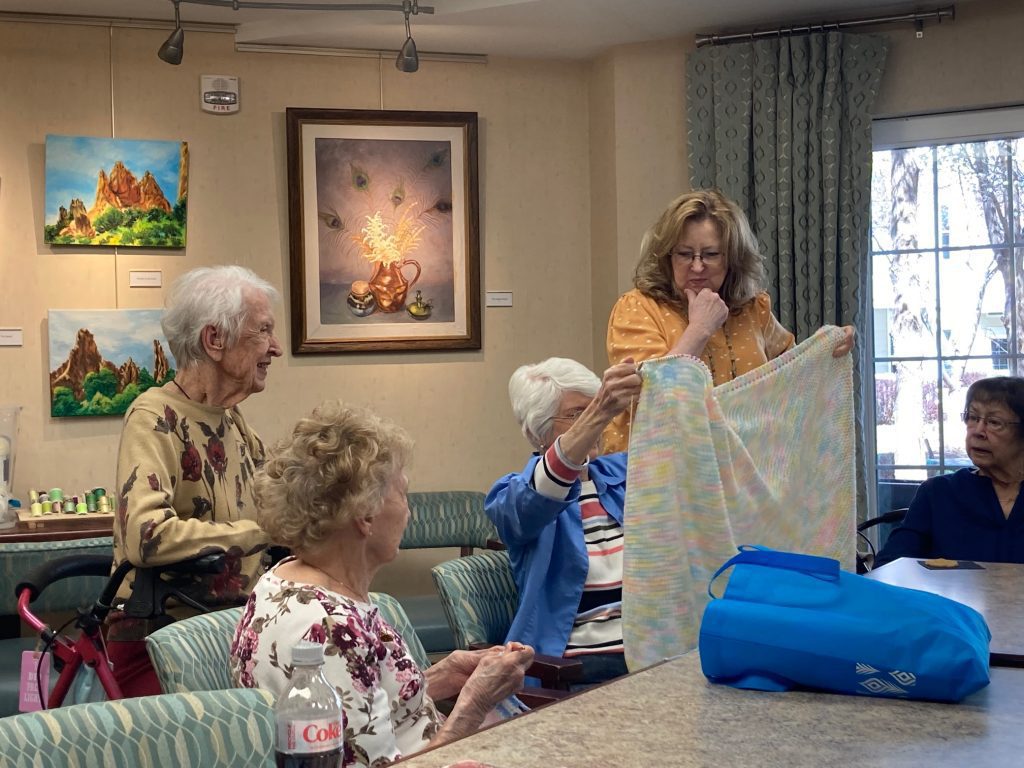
(310,731)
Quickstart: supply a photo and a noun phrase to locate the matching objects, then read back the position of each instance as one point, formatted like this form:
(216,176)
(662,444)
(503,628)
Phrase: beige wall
(576,159)
(535,213)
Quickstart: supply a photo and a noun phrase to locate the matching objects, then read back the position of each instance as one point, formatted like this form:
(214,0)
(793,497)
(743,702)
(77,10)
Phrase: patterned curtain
(783,126)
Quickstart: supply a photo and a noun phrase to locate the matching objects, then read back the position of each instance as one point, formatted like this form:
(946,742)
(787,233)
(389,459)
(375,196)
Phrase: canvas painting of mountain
(124,192)
(102,359)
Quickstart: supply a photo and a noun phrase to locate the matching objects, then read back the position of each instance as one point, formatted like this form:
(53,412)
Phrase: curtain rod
(918,18)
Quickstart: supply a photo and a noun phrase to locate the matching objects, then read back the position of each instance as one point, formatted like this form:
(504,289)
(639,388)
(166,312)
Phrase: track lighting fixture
(173,46)
(408,59)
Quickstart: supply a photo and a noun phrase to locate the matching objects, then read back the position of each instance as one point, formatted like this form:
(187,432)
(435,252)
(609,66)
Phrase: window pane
(947,261)
(904,287)
(973,193)
(902,200)
(906,415)
(973,300)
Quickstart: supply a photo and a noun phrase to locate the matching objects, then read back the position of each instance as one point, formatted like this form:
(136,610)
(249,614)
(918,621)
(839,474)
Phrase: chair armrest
(496,544)
(540,697)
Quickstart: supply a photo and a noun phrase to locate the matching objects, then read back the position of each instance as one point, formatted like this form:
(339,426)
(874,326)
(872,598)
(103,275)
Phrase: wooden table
(995,591)
(59,528)
(669,715)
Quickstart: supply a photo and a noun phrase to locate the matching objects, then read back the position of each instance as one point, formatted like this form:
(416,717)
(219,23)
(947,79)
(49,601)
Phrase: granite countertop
(669,715)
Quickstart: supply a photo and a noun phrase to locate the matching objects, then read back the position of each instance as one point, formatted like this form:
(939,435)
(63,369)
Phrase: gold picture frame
(383,230)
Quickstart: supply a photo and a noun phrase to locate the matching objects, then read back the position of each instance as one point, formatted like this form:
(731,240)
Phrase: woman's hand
(497,673)
(706,313)
(620,385)
(846,343)
(446,678)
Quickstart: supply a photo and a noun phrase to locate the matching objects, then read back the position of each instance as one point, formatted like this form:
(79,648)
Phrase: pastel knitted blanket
(767,458)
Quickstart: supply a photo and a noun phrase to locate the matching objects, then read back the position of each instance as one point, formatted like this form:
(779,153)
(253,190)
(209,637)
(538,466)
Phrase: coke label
(308,736)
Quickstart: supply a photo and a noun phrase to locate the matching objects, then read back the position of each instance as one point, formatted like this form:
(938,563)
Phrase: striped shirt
(598,624)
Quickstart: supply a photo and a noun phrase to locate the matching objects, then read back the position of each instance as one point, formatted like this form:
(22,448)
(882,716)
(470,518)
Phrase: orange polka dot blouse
(643,329)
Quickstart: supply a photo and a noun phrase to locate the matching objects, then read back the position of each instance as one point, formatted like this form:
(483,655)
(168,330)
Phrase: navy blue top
(958,517)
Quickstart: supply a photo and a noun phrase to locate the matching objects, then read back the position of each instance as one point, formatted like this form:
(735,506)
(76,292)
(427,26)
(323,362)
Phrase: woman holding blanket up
(561,517)
(698,291)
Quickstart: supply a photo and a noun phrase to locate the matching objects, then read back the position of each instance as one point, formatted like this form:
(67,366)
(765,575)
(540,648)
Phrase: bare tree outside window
(947,282)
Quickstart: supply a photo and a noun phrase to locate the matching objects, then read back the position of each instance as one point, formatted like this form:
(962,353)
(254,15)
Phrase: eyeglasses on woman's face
(686,258)
(993,424)
(569,417)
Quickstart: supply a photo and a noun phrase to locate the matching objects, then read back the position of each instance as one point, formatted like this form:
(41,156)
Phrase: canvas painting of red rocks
(102,359)
(123,192)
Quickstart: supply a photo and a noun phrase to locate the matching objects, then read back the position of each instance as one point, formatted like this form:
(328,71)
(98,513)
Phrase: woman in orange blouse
(698,292)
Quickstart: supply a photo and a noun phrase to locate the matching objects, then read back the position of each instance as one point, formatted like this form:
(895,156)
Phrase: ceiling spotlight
(173,46)
(408,59)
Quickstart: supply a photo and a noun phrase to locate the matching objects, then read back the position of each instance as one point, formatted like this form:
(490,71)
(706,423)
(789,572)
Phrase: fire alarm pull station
(218,94)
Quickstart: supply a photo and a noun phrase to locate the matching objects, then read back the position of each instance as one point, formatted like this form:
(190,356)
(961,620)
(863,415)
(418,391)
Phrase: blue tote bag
(789,620)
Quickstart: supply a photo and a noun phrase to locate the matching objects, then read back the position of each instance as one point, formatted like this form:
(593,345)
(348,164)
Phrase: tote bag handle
(824,568)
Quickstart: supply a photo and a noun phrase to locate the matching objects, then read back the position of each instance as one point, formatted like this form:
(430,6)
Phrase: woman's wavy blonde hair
(335,468)
(744,277)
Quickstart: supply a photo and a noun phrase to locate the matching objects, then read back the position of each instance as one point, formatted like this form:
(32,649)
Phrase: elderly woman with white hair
(561,517)
(187,456)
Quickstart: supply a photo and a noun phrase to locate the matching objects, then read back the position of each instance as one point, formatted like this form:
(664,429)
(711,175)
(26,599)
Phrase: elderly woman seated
(976,513)
(561,517)
(335,493)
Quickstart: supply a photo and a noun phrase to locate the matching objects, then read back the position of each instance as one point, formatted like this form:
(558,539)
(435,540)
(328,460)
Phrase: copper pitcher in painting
(389,286)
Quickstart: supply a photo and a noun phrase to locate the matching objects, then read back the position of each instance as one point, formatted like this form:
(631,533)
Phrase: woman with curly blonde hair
(698,291)
(335,493)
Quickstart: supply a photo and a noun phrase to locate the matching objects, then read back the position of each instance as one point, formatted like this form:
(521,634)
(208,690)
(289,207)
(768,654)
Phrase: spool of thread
(47,506)
(81,508)
(97,492)
(33,496)
(104,505)
(43,496)
(90,502)
(37,509)
(69,506)
(56,494)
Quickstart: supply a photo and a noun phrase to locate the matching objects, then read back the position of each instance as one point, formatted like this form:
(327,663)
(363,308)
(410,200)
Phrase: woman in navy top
(976,513)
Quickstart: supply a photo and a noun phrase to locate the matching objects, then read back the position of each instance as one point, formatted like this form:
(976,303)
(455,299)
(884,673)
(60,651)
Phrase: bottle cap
(306,653)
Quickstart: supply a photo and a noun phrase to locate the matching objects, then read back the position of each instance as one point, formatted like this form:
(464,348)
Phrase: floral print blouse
(388,713)
(184,480)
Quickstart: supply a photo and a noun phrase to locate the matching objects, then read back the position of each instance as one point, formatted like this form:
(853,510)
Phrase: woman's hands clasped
(498,673)
(481,679)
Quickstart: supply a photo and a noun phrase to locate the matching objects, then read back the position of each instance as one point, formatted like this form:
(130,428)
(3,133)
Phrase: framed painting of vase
(384,230)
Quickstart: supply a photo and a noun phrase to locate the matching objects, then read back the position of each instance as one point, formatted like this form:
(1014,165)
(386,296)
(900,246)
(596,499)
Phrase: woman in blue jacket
(561,517)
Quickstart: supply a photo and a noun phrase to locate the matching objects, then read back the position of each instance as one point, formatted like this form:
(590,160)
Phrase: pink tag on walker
(33,677)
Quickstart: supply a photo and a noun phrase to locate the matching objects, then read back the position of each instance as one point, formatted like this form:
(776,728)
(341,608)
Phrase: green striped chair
(214,729)
(442,519)
(192,654)
(448,519)
(16,560)
(479,597)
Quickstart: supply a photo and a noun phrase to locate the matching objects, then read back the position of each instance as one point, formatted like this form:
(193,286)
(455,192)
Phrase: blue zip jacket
(545,544)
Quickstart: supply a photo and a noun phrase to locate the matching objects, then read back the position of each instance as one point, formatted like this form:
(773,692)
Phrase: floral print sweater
(184,482)
(387,712)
